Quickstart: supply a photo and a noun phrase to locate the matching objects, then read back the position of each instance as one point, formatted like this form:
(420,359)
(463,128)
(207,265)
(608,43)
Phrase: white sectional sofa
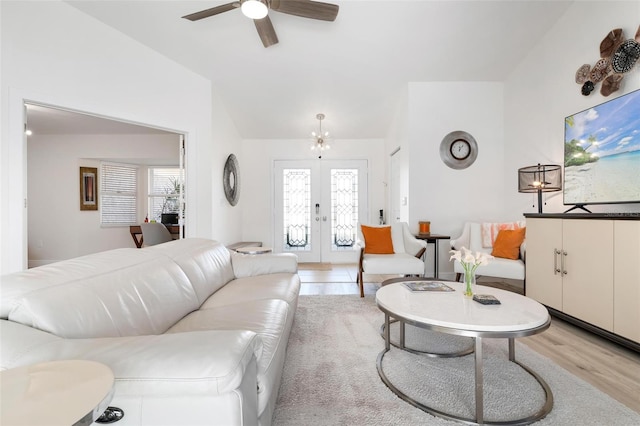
(194,334)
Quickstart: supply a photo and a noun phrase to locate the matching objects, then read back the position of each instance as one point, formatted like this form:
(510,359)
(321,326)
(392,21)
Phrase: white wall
(445,196)
(256,171)
(397,139)
(57,228)
(226,221)
(3,154)
(448,197)
(53,54)
(541,92)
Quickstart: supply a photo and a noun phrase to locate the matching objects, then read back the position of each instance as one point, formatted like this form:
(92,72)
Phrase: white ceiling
(43,120)
(353,70)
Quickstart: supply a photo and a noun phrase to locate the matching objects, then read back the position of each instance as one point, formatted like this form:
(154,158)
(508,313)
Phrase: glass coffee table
(516,316)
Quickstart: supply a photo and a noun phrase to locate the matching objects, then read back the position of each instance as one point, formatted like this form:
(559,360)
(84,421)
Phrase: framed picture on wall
(88,188)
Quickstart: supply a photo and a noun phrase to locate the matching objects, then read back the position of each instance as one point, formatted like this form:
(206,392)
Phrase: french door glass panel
(318,206)
(297,207)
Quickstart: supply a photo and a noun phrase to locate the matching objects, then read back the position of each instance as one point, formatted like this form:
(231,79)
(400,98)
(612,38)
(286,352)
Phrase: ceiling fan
(258,11)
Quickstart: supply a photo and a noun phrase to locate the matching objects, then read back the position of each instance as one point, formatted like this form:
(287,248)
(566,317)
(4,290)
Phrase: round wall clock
(231,180)
(458,150)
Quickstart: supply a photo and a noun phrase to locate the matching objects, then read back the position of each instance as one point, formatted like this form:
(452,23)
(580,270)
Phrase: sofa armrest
(211,362)
(247,265)
(415,246)
(17,339)
(412,245)
(463,239)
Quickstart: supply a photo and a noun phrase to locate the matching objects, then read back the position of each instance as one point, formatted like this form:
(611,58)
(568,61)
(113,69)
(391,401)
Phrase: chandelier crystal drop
(320,137)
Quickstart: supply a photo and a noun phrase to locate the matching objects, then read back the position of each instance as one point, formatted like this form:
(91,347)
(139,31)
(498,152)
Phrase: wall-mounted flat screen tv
(602,153)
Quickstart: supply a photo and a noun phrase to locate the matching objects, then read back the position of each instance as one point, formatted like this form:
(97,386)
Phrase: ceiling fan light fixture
(254,9)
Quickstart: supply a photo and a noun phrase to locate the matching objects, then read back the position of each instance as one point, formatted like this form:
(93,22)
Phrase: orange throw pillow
(507,244)
(377,240)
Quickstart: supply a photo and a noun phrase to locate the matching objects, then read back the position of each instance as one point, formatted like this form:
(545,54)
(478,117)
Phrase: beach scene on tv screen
(602,153)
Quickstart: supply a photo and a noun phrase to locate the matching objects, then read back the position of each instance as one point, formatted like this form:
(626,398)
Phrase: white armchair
(406,259)
(471,238)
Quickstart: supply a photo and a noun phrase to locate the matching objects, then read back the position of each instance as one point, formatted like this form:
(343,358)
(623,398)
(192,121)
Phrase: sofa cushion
(507,244)
(397,235)
(503,268)
(20,341)
(275,286)
(269,319)
(16,285)
(490,231)
(206,263)
(399,263)
(130,300)
(248,265)
(377,240)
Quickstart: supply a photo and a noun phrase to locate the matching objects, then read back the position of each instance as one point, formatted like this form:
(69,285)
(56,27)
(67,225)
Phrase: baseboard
(622,341)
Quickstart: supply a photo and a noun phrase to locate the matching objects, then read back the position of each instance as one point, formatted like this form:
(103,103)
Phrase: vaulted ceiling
(353,70)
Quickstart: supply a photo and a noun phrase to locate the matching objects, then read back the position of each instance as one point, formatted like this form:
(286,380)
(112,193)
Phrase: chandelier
(320,139)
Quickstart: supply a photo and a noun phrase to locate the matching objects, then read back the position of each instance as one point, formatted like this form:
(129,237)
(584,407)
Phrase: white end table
(254,250)
(72,392)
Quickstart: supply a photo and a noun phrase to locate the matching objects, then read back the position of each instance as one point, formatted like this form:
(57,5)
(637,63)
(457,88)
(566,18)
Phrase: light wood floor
(607,366)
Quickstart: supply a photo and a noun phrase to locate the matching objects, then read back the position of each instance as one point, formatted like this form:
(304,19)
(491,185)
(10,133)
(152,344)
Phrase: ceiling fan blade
(266,31)
(307,9)
(213,11)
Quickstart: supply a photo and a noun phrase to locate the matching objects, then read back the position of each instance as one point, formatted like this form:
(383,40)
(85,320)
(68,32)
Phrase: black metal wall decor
(231,180)
(618,56)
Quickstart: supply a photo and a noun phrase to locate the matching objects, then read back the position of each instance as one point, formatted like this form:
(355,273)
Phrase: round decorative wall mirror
(231,180)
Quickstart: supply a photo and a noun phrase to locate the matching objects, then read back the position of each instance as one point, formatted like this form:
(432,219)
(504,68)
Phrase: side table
(71,392)
(254,250)
(433,239)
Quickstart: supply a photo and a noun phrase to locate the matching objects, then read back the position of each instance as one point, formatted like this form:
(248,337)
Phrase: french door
(318,204)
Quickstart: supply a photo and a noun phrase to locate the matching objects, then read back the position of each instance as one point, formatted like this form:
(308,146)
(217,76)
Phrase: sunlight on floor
(327,278)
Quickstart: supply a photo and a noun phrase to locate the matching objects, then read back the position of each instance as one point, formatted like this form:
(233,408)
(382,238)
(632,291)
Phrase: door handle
(564,255)
(317,208)
(324,218)
(317,219)
(556,271)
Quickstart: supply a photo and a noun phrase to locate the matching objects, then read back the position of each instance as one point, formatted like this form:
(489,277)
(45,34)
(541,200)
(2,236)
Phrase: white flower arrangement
(470,262)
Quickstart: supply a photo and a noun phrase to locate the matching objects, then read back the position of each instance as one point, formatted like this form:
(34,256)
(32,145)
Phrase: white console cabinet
(626,272)
(588,268)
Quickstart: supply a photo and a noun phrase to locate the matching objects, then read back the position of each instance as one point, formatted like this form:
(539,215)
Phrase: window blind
(119,185)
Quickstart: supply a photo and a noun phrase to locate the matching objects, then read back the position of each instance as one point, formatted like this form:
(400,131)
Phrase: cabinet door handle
(564,254)
(556,271)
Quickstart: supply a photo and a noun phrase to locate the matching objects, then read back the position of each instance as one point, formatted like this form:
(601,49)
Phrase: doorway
(318,205)
(61,142)
(395,201)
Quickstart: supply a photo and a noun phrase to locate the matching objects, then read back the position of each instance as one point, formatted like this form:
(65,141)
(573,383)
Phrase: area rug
(330,376)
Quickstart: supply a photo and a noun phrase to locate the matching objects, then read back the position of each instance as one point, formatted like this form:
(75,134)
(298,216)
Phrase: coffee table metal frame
(479,380)
(402,345)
